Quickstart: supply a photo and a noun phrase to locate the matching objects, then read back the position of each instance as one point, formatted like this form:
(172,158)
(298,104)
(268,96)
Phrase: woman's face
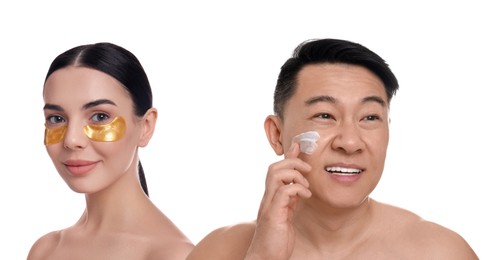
(98,132)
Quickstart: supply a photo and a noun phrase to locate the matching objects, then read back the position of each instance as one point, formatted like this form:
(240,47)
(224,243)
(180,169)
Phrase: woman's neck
(117,205)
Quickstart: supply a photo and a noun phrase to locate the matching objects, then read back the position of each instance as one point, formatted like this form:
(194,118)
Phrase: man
(316,205)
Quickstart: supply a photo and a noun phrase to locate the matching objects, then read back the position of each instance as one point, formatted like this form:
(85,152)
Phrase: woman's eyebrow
(53,107)
(97,103)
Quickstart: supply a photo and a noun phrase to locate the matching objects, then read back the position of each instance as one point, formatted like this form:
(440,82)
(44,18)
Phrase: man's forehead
(341,80)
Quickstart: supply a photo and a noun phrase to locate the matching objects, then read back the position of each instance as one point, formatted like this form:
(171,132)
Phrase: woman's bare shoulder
(229,242)
(166,241)
(175,249)
(44,245)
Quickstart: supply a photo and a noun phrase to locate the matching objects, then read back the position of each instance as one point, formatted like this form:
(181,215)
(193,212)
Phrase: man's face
(348,106)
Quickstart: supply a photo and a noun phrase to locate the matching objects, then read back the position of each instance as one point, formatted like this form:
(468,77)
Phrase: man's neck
(319,226)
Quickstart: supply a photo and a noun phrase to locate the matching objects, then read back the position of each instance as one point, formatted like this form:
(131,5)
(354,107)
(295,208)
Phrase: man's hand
(274,236)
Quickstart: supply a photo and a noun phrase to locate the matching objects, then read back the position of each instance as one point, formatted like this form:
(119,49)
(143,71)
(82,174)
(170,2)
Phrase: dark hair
(329,51)
(119,63)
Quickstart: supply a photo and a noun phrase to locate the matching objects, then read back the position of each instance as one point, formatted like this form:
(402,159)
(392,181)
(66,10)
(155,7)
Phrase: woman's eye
(99,118)
(55,119)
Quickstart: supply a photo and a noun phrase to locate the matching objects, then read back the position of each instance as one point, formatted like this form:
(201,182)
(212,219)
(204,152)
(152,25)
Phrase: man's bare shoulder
(230,242)
(422,237)
(44,245)
(438,241)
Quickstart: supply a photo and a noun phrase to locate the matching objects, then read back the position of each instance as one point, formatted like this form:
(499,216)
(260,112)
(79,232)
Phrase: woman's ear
(272,126)
(148,121)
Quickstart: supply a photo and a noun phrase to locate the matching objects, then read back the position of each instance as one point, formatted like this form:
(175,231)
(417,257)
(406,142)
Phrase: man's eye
(324,116)
(99,118)
(372,118)
(55,119)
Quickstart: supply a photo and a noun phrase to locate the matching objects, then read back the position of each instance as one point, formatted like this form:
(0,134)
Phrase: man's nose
(348,138)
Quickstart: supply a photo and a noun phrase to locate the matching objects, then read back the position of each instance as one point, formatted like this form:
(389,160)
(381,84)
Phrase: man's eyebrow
(332,100)
(97,103)
(317,99)
(376,99)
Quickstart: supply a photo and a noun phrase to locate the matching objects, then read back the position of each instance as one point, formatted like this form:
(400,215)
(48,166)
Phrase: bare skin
(318,206)
(119,221)
(136,230)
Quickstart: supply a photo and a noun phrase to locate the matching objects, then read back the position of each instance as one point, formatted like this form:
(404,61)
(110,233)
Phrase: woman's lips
(79,167)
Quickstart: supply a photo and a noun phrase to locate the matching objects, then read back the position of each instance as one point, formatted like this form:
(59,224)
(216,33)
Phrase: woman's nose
(75,138)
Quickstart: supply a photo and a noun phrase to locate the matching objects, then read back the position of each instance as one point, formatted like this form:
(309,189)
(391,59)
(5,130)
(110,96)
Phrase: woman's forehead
(84,84)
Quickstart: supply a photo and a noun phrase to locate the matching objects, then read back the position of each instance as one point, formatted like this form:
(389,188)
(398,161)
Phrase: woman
(98,112)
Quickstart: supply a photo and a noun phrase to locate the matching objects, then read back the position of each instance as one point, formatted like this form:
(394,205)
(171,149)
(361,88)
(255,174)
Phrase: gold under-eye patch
(110,132)
(54,135)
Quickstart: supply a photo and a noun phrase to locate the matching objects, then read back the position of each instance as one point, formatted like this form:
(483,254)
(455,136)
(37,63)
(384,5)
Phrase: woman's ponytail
(143,181)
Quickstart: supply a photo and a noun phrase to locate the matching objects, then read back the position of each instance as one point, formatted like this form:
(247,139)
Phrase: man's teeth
(342,170)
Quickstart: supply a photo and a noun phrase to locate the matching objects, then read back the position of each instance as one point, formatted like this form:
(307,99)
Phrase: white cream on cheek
(307,141)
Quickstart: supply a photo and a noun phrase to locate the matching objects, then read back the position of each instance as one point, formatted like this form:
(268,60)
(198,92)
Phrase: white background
(213,67)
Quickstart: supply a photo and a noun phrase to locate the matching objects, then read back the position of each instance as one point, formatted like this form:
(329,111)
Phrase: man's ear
(148,121)
(272,126)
